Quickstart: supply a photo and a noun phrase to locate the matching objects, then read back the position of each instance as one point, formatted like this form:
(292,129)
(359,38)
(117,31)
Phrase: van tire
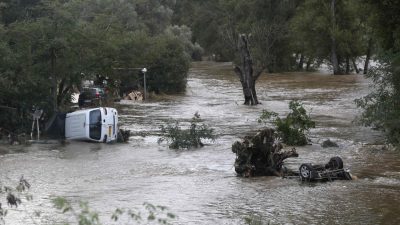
(105,139)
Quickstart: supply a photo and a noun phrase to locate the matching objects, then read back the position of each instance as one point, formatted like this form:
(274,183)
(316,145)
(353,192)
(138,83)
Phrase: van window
(95,124)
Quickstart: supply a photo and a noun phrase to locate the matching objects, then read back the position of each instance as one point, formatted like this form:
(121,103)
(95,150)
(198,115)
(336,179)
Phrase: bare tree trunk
(368,57)
(295,60)
(334,58)
(246,73)
(309,61)
(355,66)
(347,65)
(54,78)
(301,62)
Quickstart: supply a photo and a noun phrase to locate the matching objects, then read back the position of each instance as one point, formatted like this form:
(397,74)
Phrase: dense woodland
(48,47)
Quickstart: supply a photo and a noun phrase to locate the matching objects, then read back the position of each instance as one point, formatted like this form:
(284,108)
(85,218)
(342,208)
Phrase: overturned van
(96,124)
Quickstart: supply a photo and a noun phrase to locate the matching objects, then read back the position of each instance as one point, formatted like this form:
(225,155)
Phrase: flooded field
(200,186)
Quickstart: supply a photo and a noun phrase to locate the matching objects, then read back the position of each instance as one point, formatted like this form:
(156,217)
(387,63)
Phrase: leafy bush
(292,128)
(14,196)
(154,214)
(381,107)
(180,138)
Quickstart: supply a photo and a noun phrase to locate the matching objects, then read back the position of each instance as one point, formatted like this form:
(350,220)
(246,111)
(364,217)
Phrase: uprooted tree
(260,155)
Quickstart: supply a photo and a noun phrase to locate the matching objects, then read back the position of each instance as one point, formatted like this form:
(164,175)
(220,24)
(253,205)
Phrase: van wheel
(105,139)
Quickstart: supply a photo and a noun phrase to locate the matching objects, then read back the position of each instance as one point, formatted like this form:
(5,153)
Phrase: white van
(97,124)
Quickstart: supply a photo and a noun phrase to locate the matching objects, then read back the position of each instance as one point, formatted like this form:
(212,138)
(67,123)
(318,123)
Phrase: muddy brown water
(200,186)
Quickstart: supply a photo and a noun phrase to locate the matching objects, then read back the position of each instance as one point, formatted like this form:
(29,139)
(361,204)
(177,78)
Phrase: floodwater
(200,186)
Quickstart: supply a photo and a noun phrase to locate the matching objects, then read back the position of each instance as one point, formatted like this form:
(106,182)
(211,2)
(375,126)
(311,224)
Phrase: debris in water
(328,143)
(331,171)
(123,135)
(260,155)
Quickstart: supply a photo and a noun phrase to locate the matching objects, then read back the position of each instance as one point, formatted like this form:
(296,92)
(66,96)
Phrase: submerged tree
(256,32)
(246,72)
(186,138)
(381,107)
(292,129)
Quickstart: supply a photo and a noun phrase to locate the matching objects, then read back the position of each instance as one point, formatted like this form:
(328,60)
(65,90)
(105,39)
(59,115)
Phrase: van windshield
(95,124)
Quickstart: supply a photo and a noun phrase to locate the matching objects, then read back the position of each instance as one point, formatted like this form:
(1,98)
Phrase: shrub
(186,138)
(14,196)
(292,128)
(381,107)
(154,214)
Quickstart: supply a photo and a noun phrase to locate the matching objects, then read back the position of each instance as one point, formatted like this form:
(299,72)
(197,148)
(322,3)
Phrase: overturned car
(333,170)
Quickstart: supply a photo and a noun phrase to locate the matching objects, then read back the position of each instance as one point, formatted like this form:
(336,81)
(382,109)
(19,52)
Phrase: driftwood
(260,155)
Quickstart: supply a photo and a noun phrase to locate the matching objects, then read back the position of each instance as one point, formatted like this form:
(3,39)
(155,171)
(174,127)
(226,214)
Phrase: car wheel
(306,171)
(335,163)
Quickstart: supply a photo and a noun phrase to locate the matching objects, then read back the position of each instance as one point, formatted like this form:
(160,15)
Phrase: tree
(292,129)
(49,47)
(258,43)
(381,107)
(330,30)
(246,72)
(205,19)
(186,138)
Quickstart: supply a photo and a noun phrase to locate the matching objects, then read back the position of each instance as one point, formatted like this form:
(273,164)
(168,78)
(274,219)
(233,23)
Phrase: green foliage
(186,138)
(184,35)
(14,196)
(255,220)
(381,107)
(205,19)
(292,128)
(266,20)
(169,65)
(49,47)
(267,23)
(85,216)
(313,28)
(386,23)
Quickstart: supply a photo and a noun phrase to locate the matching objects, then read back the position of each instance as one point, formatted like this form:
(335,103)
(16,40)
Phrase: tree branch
(239,72)
(258,73)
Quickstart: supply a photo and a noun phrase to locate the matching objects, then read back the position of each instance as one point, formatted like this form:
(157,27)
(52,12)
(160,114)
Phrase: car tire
(335,163)
(306,172)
